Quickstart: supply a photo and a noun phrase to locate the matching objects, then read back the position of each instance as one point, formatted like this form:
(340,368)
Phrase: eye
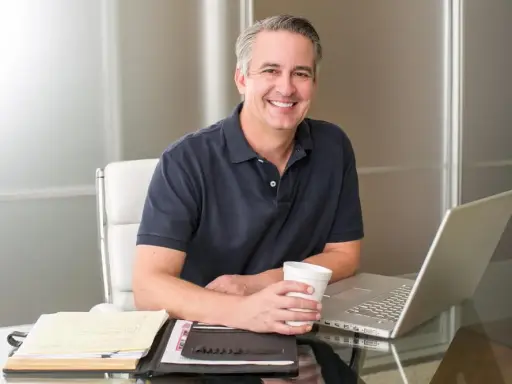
(270,70)
(302,74)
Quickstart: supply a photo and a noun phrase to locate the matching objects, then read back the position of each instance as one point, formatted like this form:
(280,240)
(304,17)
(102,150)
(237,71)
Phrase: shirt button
(273,183)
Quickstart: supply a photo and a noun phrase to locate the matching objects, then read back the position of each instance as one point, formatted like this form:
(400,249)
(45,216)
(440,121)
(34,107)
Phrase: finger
(286,329)
(218,289)
(212,285)
(287,315)
(219,281)
(286,286)
(299,303)
(216,286)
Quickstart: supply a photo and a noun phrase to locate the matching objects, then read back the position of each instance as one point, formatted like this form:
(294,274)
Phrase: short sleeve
(171,210)
(348,221)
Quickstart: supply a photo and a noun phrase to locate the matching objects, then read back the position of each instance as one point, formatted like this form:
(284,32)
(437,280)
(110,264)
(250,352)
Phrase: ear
(240,81)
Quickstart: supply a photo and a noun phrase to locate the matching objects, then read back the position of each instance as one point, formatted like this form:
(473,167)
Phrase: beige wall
(382,80)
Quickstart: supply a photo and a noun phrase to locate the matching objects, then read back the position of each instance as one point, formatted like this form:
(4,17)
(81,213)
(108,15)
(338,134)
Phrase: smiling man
(230,203)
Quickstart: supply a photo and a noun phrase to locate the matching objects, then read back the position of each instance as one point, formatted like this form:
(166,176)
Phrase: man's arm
(342,258)
(156,286)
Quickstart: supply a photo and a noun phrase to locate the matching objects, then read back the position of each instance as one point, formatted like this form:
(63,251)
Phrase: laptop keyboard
(386,307)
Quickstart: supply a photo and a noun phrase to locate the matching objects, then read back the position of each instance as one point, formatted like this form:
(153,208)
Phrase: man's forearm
(183,300)
(258,282)
(342,265)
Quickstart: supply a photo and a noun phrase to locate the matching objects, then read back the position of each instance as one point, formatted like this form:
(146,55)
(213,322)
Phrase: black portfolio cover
(214,341)
(212,344)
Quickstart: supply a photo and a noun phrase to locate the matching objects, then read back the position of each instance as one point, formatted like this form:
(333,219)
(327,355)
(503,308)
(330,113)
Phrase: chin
(282,122)
(282,126)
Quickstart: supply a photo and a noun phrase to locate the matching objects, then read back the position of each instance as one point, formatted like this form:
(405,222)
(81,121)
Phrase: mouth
(281,104)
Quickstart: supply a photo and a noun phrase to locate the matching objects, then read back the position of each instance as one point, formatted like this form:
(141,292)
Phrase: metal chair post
(101,221)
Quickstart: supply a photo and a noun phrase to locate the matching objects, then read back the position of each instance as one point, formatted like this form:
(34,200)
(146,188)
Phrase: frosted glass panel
(479,182)
(177,59)
(402,212)
(49,258)
(381,77)
(50,93)
(487,83)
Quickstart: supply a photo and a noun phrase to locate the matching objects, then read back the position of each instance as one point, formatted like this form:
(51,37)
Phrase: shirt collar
(238,147)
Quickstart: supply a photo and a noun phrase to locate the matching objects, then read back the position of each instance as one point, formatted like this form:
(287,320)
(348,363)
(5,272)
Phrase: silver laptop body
(389,307)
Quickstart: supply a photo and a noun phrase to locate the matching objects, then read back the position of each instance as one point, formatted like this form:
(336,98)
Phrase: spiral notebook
(175,347)
(88,340)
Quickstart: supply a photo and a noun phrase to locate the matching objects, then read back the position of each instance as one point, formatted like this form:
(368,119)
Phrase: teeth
(282,105)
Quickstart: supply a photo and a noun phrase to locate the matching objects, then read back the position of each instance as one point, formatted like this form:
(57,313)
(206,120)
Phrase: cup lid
(308,269)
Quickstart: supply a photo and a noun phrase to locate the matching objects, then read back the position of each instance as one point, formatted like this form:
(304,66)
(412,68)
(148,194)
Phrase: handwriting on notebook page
(75,333)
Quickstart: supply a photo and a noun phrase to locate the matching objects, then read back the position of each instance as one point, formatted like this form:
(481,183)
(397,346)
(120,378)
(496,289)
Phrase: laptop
(388,307)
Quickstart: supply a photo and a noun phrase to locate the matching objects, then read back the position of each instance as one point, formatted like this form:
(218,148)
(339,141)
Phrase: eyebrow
(298,67)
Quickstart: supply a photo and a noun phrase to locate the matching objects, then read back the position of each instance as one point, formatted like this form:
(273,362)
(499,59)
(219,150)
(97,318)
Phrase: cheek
(260,89)
(305,90)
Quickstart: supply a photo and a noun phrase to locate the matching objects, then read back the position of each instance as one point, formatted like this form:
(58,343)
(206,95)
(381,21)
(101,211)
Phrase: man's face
(280,84)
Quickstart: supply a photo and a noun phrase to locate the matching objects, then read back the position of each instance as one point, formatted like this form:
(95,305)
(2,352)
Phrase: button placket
(270,176)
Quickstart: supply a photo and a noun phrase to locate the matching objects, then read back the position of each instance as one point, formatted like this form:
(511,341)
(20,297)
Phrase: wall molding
(90,190)
(489,164)
(395,168)
(47,193)
(447,167)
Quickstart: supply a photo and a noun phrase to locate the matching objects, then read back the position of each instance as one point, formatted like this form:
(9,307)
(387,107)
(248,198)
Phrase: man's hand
(233,285)
(269,309)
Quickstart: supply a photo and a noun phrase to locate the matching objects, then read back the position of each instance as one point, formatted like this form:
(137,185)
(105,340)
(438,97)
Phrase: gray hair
(276,23)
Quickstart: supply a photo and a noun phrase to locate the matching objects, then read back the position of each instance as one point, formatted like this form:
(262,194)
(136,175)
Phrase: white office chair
(121,189)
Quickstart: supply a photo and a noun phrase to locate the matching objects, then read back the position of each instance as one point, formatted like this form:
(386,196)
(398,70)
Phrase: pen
(108,355)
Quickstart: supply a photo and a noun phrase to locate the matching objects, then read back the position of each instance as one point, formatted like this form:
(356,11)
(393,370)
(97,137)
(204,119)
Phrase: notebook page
(77,333)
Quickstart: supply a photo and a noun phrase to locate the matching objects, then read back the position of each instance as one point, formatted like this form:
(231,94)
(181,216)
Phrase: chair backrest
(121,189)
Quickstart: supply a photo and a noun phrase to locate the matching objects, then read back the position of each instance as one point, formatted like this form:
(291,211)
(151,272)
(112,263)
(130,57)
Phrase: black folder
(215,343)
(221,344)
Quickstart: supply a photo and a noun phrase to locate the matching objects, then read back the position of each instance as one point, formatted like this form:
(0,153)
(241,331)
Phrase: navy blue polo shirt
(228,208)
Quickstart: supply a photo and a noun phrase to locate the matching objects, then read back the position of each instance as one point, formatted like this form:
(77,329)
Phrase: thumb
(286,286)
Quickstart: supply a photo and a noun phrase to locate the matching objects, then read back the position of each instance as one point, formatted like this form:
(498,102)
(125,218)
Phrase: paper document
(89,334)
(172,353)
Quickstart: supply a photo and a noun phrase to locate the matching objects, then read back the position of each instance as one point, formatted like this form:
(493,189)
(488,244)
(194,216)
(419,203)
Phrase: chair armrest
(105,307)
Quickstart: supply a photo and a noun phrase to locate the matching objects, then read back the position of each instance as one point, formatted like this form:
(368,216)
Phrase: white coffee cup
(314,275)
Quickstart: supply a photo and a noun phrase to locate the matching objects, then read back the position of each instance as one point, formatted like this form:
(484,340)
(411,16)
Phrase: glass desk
(468,343)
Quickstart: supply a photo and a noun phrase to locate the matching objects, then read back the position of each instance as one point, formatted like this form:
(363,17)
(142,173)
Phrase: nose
(284,85)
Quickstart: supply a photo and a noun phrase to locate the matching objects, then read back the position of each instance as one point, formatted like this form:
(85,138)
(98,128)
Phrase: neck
(274,145)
